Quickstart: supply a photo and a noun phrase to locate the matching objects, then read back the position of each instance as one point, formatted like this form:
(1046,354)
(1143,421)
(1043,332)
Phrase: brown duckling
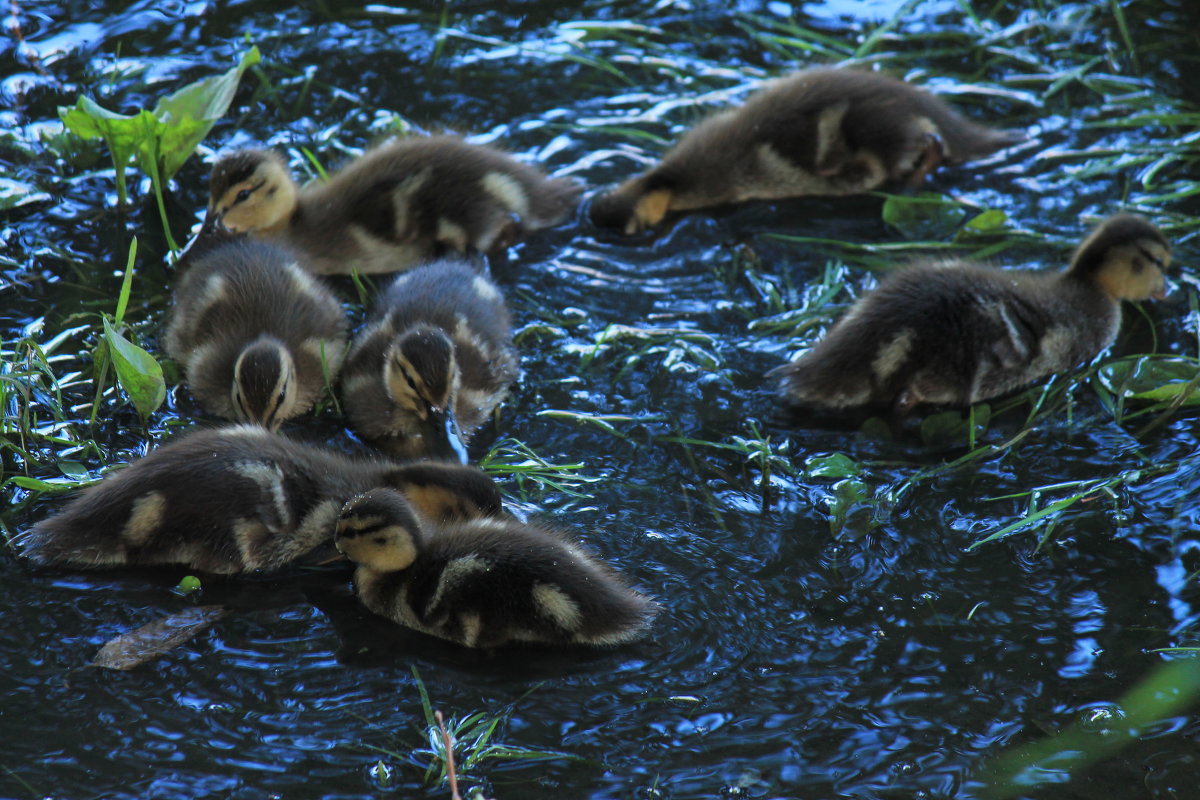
(401,204)
(484,582)
(238,499)
(258,337)
(956,332)
(817,132)
(432,363)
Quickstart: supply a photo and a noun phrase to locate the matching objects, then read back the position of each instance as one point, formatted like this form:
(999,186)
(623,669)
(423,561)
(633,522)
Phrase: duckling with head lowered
(257,336)
(817,132)
(956,333)
(238,499)
(433,362)
(484,583)
(400,204)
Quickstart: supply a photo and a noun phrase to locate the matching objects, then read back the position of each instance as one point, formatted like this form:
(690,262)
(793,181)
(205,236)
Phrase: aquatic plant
(162,139)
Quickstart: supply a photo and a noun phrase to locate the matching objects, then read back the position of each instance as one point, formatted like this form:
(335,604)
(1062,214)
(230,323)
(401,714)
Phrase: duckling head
(421,378)
(632,207)
(264,385)
(1126,256)
(379,530)
(251,190)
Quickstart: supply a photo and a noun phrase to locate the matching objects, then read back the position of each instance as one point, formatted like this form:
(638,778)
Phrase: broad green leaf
(140,375)
(991,221)
(74,470)
(926,215)
(189,114)
(953,427)
(1152,378)
(836,465)
(161,140)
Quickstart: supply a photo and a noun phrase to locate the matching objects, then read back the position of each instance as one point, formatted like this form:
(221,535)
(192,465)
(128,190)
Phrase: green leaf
(926,215)
(161,140)
(953,427)
(991,221)
(1152,379)
(140,375)
(74,470)
(188,115)
(832,466)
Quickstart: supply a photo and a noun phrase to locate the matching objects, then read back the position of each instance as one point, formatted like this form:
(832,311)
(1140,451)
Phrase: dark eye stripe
(1158,262)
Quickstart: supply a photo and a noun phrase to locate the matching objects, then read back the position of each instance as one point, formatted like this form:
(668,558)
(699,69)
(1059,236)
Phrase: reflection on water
(834,639)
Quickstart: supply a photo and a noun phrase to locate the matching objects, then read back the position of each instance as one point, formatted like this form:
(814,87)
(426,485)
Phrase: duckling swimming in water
(257,336)
(238,499)
(484,583)
(399,205)
(817,132)
(956,333)
(432,363)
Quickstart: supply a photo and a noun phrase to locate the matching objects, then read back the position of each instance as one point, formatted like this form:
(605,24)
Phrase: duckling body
(817,132)
(956,333)
(484,583)
(433,362)
(237,499)
(257,336)
(399,205)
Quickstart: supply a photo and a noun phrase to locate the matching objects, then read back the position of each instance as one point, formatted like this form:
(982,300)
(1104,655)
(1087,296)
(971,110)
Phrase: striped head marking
(264,383)
(420,375)
(379,530)
(251,190)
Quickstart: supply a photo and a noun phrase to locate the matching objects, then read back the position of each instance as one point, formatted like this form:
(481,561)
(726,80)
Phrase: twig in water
(449,745)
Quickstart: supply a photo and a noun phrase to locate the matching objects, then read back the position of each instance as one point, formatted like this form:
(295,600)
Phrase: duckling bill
(433,362)
(399,205)
(817,132)
(257,336)
(484,583)
(239,500)
(956,332)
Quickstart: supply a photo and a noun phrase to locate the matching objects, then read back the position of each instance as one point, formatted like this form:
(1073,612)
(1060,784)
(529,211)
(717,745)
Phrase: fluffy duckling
(398,205)
(817,132)
(238,499)
(956,332)
(256,335)
(431,364)
(484,583)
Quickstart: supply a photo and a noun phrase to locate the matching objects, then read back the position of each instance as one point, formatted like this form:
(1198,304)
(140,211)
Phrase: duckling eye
(243,195)
(379,540)
(1137,267)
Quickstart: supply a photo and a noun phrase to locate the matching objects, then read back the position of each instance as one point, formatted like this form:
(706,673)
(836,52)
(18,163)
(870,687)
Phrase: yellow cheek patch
(650,209)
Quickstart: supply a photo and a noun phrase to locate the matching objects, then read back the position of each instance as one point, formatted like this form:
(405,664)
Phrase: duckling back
(256,335)
(231,500)
(487,582)
(818,132)
(451,297)
(424,197)
(951,333)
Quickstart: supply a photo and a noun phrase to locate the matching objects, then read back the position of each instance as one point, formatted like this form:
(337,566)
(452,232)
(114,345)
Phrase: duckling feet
(928,160)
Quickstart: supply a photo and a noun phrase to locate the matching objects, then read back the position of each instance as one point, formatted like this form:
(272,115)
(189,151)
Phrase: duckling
(398,205)
(257,336)
(484,582)
(817,132)
(238,499)
(434,360)
(956,332)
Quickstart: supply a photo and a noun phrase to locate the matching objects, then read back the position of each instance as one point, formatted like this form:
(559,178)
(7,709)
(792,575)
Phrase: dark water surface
(832,640)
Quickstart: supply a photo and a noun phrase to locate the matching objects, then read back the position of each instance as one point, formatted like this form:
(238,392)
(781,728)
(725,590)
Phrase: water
(836,640)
